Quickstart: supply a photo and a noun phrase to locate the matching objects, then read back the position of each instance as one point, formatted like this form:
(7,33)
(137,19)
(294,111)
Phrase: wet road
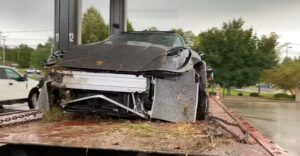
(278,120)
(14,107)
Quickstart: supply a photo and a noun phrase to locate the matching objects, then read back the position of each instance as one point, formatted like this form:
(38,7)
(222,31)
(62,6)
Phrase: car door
(16,85)
(3,85)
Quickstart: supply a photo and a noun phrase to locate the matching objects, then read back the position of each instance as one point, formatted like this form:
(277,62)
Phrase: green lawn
(247,93)
(22,71)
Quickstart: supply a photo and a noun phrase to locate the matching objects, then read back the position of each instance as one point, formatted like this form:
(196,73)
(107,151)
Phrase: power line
(11,45)
(28,31)
(288,43)
(290,51)
(294,52)
(35,39)
(3,49)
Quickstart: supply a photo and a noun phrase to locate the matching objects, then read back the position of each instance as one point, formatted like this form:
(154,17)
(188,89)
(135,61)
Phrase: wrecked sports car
(152,75)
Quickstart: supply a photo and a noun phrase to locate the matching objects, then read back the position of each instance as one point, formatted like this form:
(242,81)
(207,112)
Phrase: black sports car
(131,74)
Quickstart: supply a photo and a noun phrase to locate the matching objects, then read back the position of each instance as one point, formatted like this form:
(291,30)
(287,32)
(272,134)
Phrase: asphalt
(278,120)
(13,107)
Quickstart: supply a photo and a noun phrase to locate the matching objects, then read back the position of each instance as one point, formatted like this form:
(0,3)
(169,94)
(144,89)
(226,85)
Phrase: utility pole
(18,52)
(3,49)
(0,39)
(287,50)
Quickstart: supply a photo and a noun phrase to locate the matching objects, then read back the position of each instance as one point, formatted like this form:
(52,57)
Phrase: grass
(55,114)
(232,92)
(152,130)
(34,77)
(21,70)
(247,93)
(143,129)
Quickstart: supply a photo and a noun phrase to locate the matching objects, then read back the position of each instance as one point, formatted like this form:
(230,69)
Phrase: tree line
(285,76)
(26,57)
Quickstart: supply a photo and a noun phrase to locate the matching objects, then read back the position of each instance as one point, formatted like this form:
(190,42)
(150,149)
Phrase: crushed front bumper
(174,98)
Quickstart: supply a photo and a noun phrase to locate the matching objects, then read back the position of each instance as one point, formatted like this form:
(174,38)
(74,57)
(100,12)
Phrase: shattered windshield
(169,40)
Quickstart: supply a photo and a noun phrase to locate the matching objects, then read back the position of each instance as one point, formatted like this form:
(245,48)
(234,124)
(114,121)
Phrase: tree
(42,53)
(24,56)
(188,36)
(94,28)
(38,56)
(11,55)
(286,76)
(236,54)
(287,60)
(129,26)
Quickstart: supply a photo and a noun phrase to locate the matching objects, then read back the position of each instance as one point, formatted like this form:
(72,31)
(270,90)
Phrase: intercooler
(104,81)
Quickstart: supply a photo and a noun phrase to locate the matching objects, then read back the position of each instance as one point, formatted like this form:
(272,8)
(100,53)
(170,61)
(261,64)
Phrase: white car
(15,88)
(33,71)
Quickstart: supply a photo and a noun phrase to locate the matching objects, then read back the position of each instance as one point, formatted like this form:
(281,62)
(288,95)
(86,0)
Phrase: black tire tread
(30,104)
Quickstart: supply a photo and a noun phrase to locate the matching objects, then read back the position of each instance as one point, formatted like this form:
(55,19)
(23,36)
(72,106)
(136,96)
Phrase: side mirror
(25,77)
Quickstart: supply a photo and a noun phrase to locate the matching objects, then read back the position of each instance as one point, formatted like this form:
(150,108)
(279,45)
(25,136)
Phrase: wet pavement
(278,120)
(13,108)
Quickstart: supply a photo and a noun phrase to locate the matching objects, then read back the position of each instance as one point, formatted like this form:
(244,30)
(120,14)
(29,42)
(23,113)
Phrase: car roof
(2,66)
(151,32)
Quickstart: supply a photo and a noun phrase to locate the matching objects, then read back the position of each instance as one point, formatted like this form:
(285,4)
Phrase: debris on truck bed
(198,138)
(226,137)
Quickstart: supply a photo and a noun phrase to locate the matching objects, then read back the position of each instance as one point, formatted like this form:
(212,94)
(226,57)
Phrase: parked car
(15,88)
(152,75)
(33,71)
(264,85)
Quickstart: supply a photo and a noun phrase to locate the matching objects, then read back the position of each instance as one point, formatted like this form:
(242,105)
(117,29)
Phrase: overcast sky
(265,16)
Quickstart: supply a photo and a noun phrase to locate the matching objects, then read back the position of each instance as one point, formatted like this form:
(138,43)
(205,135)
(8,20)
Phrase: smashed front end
(172,98)
(128,79)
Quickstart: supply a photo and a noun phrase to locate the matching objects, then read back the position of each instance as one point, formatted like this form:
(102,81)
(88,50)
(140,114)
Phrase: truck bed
(90,133)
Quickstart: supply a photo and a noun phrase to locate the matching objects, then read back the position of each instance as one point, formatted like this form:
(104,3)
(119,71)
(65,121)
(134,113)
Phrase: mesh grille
(175,101)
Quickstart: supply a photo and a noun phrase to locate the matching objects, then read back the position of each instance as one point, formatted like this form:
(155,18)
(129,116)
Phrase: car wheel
(202,108)
(33,99)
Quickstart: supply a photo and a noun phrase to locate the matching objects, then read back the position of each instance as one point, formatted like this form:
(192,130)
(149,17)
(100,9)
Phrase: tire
(33,99)
(202,108)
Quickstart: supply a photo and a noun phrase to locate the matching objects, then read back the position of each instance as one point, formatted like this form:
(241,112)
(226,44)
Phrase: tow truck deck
(224,133)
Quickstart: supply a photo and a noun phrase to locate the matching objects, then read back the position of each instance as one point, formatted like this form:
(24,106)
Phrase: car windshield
(169,40)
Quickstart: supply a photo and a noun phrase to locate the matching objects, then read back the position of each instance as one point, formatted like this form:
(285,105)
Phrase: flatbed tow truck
(23,133)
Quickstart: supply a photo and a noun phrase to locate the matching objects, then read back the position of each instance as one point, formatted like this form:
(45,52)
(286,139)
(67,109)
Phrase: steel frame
(67,25)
